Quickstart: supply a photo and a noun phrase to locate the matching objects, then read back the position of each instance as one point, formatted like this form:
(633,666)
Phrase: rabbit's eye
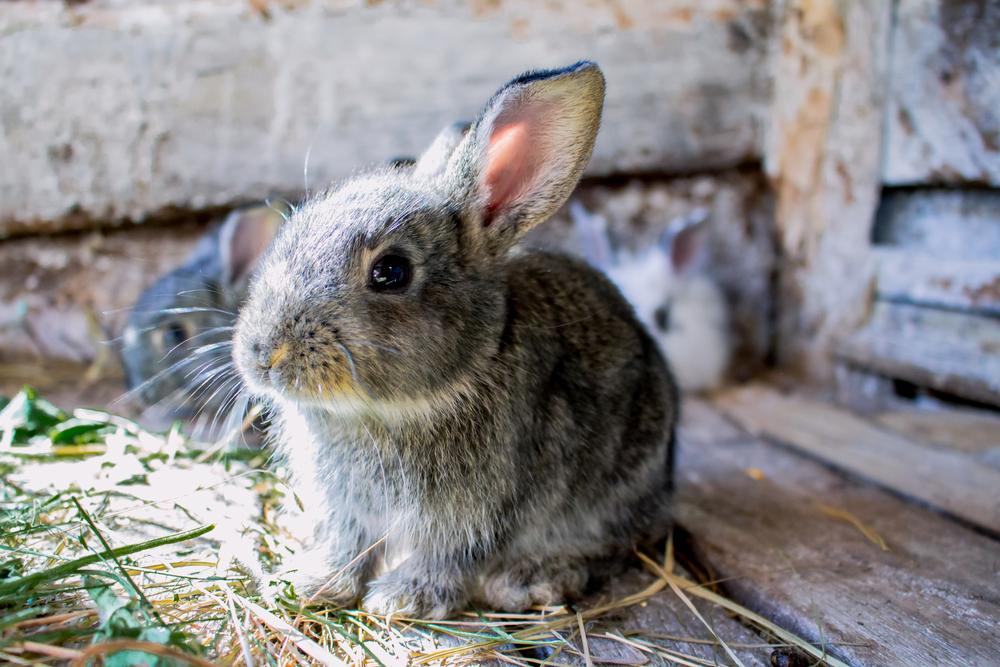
(390,273)
(175,335)
(661,316)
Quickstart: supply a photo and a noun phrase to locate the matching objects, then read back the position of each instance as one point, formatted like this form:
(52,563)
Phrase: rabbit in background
(673,296)
(173,350)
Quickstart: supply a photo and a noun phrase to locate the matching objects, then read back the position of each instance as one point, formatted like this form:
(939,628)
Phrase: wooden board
(753,510)
(823,155)
(192,104)
(950,224)
(944,479)
(942,122)
(940,248)
(665,615)
(952,352)
(971,285)
(975,433)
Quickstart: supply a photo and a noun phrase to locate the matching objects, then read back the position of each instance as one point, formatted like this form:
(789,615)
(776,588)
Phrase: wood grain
(932,599)
(971,285)
(944,479)
(952,352)
(942,122)
(823,156)
(195,104)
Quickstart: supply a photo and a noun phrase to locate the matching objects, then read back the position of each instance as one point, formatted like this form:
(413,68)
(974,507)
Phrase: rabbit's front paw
(416,594)
(529,583)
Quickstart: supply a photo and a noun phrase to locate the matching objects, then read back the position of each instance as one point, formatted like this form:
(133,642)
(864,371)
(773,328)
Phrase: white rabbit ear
(687,244)
(434,160)
(524,155)
(244,237)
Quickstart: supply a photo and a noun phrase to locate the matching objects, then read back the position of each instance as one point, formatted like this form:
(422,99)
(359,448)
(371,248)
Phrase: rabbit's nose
(268,358)
(277,356)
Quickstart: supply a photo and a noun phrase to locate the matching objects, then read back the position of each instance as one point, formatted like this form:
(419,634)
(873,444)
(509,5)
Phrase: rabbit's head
(671,292)
(650,278)
(174,339)
(390,288)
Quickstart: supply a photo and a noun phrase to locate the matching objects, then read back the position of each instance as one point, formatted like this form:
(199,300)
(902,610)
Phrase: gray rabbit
(462,421)
(173,348)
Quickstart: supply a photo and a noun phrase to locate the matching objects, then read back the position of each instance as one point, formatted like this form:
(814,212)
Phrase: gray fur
(494,429)
(175,344)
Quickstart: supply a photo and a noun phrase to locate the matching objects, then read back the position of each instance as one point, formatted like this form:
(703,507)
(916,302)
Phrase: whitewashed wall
(117,110)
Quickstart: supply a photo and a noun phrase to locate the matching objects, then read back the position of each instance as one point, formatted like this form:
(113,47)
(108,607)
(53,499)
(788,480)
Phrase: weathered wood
(823,155)
(192,104)
(953,352)
(862,391)
(753,510)
(665,615)
(945,224)
(945,479)
(942,121)
(975,433)
(972,285)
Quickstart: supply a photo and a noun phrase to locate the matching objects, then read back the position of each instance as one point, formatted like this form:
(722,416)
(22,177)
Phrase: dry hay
(129,547)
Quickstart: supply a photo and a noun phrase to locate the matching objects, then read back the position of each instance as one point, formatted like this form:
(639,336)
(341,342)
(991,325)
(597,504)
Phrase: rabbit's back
(601,398)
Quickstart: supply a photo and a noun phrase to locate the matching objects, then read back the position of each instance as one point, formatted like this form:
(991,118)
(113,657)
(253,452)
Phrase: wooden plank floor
(776,527)
(943,478)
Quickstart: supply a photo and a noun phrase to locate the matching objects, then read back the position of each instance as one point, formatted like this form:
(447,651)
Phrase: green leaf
(27,416)
(78,432)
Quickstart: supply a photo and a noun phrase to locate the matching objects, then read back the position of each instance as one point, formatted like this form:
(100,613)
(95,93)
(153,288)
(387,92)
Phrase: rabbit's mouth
(299,372)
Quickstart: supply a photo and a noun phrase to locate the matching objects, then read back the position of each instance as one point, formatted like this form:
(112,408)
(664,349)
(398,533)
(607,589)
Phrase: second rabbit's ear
(688,247)
(525,153)
(245,235)
(434,160)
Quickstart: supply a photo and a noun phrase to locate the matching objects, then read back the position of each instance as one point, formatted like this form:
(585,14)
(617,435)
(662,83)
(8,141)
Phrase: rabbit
(461,421)
(194,308)
(173,344)
(680,305)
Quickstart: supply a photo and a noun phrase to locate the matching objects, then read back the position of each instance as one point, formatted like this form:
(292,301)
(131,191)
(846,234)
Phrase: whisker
(132,393)
(195,337)
(195,309)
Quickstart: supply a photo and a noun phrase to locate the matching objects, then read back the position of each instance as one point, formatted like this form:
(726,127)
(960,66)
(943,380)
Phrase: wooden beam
(942,122)
(952,352)
(970,285)
(776,528)
(947,480)
(194,104)
(823,155)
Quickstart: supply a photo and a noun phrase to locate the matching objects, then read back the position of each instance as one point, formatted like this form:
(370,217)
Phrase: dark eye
(175,335)
(390,273)
(661,316)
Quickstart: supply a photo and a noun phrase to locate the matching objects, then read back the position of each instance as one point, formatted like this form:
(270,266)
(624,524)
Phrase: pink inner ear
(250,239)
(513,160)
(686,249)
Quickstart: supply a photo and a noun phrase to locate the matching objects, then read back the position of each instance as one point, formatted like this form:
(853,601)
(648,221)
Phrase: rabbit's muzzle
(313,366)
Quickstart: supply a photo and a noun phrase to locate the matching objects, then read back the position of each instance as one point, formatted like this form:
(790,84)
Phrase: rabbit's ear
(244,237)
(434,160)
(687,249)
(526,151)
